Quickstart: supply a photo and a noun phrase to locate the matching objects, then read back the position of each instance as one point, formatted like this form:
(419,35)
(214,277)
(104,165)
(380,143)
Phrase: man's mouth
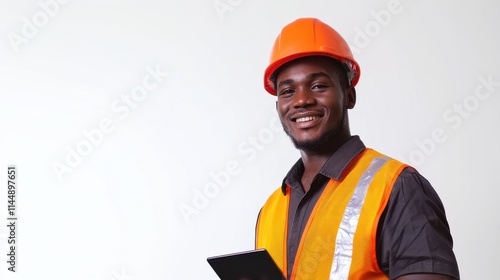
(306,119)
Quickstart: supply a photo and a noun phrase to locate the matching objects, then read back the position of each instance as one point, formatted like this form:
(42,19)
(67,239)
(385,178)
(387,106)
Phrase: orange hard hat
(308,37)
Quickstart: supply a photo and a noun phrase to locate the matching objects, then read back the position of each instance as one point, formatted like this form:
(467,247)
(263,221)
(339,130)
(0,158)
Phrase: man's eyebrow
(311,76)
(285,82)
(318,75)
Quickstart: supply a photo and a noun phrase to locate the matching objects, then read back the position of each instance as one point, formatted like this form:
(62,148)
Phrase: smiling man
(343,211)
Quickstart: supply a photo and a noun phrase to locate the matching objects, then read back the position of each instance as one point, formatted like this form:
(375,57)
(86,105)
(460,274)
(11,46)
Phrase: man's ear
(350,97)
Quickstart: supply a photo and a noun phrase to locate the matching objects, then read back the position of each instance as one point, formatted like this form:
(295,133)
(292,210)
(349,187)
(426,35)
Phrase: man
(343,211)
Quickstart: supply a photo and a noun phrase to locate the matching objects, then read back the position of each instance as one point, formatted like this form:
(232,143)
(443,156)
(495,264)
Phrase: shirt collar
(333,167)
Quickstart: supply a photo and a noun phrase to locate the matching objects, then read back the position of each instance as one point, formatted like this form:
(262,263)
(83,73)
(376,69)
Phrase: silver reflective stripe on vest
(342,256)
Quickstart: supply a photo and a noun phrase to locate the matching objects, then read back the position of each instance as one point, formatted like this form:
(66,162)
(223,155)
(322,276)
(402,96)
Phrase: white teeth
(306,119)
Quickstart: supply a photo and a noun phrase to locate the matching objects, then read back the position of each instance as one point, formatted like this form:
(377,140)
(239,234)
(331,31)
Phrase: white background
(117,213)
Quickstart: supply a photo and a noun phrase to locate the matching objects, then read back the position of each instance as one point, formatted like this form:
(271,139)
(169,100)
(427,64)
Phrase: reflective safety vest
(339,239)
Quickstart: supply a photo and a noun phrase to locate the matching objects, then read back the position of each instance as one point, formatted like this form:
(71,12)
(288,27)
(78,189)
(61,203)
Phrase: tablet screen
(248,265)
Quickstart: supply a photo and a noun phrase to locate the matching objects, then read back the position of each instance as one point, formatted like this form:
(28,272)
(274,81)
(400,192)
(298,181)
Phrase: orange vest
(353,204)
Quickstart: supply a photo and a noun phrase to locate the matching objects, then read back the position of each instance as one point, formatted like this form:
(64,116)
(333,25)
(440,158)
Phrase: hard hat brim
(271,69)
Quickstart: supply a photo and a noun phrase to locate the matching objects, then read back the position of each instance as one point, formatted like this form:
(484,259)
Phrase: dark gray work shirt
(413,235)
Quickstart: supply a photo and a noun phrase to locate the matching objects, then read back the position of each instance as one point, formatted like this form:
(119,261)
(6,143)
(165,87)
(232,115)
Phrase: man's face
(311,102)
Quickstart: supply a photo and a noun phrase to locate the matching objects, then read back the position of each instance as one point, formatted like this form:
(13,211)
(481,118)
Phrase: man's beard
(322,141)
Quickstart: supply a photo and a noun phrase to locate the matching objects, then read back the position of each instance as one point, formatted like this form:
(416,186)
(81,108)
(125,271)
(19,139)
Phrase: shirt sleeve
(413,235)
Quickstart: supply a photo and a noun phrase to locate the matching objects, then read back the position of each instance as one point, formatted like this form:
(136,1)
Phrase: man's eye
(286,91)
(319,86)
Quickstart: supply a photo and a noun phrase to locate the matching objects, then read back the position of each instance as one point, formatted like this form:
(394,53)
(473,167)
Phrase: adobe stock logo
(454,117)
(121,109)
(31,26)
(223,6)
(380,19)
(249,148)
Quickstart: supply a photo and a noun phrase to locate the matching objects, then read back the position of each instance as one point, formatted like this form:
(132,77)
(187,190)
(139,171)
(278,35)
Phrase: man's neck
(314,160)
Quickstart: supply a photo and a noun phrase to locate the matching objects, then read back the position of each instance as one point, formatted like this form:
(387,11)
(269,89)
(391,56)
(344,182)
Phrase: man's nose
(303,97)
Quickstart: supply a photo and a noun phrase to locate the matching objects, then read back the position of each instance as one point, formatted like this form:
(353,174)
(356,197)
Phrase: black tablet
(248,265)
